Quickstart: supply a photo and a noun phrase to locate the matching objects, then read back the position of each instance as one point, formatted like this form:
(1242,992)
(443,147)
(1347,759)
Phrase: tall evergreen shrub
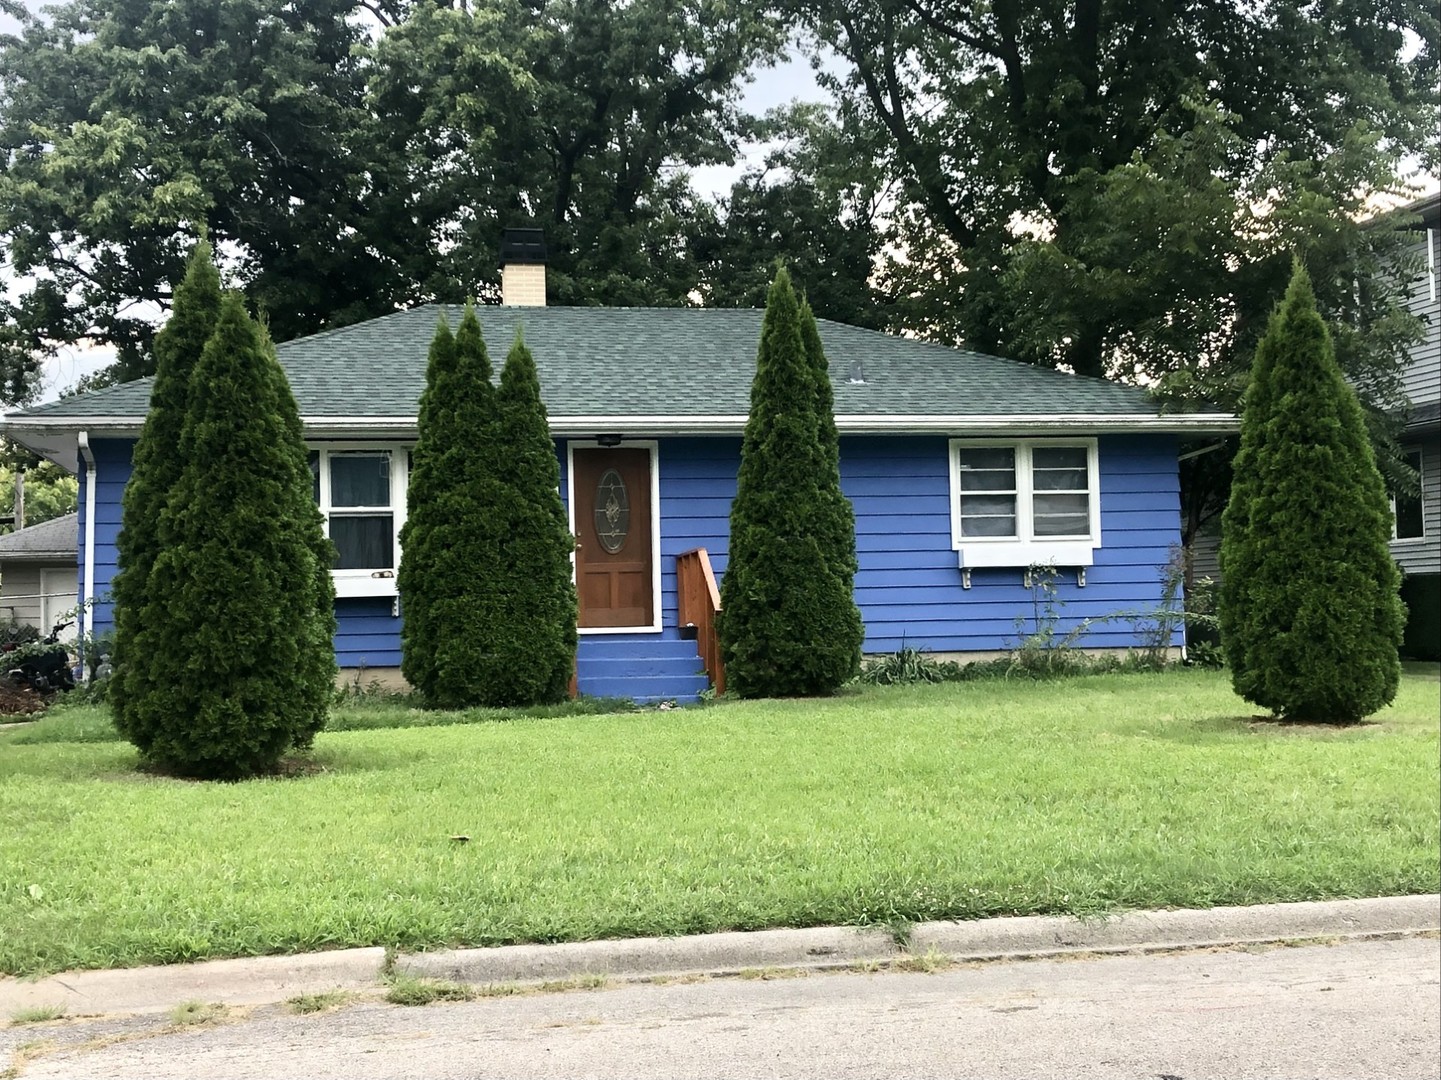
(532,649)
(790,625)
(235,679)
(317,663)
(156,465)
(837,525)
(432,520)
(1310,611)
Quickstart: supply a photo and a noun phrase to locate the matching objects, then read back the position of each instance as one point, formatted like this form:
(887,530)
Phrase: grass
(90,723)
(325,1001)
(37,1014)
(927,963)
(413,990)
(197,1013)
(885,806)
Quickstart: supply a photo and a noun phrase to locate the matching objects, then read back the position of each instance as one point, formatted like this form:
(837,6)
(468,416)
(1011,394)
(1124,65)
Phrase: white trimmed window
(1408,519)
(361,493)
(1019,502)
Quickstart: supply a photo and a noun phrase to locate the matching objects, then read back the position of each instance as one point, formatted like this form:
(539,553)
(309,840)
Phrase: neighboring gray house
(38,574)
(1417,543)
(1417,530)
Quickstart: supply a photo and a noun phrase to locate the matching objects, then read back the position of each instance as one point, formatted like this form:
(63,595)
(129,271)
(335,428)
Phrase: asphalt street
(1356,1009)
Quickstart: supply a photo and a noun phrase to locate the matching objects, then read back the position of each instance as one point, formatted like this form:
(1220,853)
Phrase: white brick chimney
(522,268)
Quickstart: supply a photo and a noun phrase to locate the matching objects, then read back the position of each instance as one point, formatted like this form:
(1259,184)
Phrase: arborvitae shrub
(1310,611)
(239,664)
(485,577)
(790,625)
(156,465)
(532,649)
(428,530)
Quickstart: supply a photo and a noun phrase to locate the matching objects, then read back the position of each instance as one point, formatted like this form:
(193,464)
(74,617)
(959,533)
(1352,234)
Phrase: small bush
(1206,654)
(907,666)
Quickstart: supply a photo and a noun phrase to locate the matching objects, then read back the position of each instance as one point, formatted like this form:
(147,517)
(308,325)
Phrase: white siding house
(38,575)
(1417,545)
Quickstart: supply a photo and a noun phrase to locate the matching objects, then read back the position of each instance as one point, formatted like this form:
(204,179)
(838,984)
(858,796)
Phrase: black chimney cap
(522,246)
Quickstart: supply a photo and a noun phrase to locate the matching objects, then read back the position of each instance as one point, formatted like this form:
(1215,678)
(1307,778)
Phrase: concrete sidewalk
(269,979)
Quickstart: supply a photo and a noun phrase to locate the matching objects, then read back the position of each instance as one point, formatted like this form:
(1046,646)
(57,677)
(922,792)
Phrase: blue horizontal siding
(909,585)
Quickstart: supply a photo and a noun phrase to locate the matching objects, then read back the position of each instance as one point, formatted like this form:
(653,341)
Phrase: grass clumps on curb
(926,963)
(416,990)
(37,1014)
(412,990)
(769,974)
(198,1013)
(325,1001)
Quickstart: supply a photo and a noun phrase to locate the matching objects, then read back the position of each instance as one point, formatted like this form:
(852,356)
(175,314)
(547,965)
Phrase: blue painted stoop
(646,667)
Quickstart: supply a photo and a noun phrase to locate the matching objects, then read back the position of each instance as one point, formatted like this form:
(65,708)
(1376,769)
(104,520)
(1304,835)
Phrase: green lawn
(885,806)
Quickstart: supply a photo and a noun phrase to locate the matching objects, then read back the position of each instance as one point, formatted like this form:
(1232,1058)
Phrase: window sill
(975,555)
(350,585)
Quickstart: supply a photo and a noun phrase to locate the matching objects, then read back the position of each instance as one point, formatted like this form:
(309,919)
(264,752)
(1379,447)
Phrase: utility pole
(19,499)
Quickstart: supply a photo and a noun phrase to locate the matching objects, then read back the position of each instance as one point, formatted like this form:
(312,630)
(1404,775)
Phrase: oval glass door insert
(612,512)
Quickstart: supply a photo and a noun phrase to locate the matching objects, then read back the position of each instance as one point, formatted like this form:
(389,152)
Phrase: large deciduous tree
(1118,187)
(344,168)
(579,118)
(817,200)
(789,624)
(129,128)
(1311,615)
(1060,160)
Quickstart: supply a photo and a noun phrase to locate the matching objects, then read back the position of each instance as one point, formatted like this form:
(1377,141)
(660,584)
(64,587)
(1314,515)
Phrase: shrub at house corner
(156,467)
(1310,613)
(789,624)
(233,679)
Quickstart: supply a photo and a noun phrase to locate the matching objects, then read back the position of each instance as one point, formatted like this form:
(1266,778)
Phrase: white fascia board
(937,424)
(39,431)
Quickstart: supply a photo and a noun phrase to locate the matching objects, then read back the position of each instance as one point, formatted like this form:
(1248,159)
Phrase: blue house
(964,471)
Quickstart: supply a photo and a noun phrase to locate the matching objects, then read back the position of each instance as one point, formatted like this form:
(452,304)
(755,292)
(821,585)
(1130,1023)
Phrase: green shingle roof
(678,362)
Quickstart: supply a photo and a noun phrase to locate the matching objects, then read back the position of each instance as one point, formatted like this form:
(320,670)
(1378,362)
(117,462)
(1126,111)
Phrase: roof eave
(55,437)
(67,555)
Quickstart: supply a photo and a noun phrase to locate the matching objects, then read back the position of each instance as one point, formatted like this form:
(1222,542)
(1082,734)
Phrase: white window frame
(1421,480)
(1431,264)
(1025,548)
(378,581)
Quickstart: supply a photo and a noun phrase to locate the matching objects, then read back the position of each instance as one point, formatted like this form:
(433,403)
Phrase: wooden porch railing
(698,600)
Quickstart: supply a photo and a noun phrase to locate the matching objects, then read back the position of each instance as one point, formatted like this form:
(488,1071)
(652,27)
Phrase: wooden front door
(613,532)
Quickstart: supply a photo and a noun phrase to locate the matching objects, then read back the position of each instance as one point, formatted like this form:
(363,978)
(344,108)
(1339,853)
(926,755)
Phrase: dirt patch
(15,701)
(291,767)
(1314,727)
